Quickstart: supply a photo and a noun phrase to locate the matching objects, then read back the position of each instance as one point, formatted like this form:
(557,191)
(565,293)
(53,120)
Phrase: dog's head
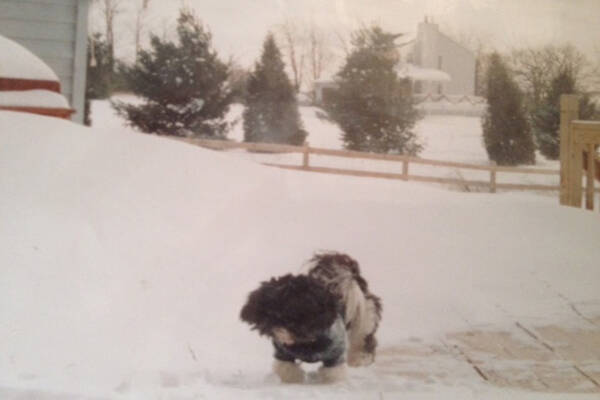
(299,304)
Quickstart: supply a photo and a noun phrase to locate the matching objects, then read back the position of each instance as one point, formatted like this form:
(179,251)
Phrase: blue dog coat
(329,347)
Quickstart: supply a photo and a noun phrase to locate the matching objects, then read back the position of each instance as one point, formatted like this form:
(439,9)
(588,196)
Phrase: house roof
(404,70)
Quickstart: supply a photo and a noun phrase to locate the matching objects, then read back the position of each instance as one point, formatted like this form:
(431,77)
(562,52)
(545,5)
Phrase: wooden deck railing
(492,183)
(579,141)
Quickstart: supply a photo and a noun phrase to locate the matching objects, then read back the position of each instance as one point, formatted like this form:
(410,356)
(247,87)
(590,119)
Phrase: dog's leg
(332,374)
(361,333)
(334,364)
(288,371)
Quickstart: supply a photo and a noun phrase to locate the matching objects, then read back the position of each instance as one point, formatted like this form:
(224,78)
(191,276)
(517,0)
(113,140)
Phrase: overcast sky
(239,26)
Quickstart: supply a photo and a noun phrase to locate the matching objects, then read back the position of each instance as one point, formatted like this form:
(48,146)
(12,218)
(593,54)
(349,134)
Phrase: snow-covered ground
(126,258)
(445,138)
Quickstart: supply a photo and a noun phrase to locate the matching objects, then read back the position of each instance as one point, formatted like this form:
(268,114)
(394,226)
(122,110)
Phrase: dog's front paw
(288,372)
(332,374)
(360,359)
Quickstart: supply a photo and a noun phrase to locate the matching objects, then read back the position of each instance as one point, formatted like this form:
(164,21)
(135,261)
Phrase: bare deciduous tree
(319,52)
(535,68)
(109,10)
(293,45)
(238,80)
(343,41)
(308,51)
(140,14)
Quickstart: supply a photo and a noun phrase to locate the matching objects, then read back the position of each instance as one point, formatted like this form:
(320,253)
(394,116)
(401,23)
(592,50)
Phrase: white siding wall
(56,31)
(432,47)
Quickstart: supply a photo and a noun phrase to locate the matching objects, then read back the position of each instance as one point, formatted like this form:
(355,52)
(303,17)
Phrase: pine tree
(183,85)
(371,104)
(546,118)
(506,133)
(271,113)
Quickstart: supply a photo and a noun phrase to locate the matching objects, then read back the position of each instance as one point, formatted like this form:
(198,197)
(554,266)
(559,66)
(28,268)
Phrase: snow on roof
(32,98)
(422,74)
(404,70)
(19,63)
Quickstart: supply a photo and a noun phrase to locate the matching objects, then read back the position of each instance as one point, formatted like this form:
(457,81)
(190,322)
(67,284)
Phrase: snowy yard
(126,258)
(445,138)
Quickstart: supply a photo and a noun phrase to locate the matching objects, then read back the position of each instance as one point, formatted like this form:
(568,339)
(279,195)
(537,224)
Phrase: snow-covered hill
(445,138)
(125,259)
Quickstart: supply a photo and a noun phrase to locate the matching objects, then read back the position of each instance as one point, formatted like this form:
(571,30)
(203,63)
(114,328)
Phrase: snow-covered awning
(328,80)
(16,62)
(422,74)
(32,98)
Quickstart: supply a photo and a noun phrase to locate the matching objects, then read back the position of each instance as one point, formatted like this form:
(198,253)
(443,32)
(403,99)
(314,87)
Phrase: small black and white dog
(324,315)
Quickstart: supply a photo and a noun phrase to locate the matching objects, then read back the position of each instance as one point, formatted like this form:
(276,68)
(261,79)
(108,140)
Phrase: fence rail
(306,151)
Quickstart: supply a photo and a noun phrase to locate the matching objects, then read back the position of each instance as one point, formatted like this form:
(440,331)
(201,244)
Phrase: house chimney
(427,42)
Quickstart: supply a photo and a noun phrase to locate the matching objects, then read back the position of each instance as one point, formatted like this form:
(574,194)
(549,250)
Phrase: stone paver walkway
(547,358)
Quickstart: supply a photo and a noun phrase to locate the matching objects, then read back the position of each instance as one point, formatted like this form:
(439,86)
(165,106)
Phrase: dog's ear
(249,312)
(261,305)
(301,304)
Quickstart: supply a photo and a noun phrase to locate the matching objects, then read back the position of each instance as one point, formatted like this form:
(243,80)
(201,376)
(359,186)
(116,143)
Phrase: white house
(441,70)
(432,49)
(55,31)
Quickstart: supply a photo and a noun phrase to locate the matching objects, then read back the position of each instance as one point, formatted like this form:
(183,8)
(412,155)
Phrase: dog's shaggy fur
(362,309)
(299,304)
(306,314)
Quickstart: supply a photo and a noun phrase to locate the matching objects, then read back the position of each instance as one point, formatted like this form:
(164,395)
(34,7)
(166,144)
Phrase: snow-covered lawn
(126,258)
(445,138)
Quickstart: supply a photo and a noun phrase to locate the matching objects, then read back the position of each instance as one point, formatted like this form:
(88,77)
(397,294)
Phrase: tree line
(523,90)
(186,90)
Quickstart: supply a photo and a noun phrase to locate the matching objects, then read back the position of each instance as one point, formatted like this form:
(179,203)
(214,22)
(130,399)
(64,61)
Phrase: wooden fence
(579,141)
(491,184)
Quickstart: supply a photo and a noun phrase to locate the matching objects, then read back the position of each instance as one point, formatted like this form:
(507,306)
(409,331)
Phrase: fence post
(305,156)
(405,168)
(590,175)
(493,177)
(569,110)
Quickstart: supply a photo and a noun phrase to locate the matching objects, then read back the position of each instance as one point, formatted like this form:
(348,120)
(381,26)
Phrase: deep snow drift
(126,258)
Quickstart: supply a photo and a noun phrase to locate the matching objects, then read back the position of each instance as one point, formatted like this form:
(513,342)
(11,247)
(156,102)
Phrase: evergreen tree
(546,119)
(183,85)
(371,104)
(271,113)
(506,133)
